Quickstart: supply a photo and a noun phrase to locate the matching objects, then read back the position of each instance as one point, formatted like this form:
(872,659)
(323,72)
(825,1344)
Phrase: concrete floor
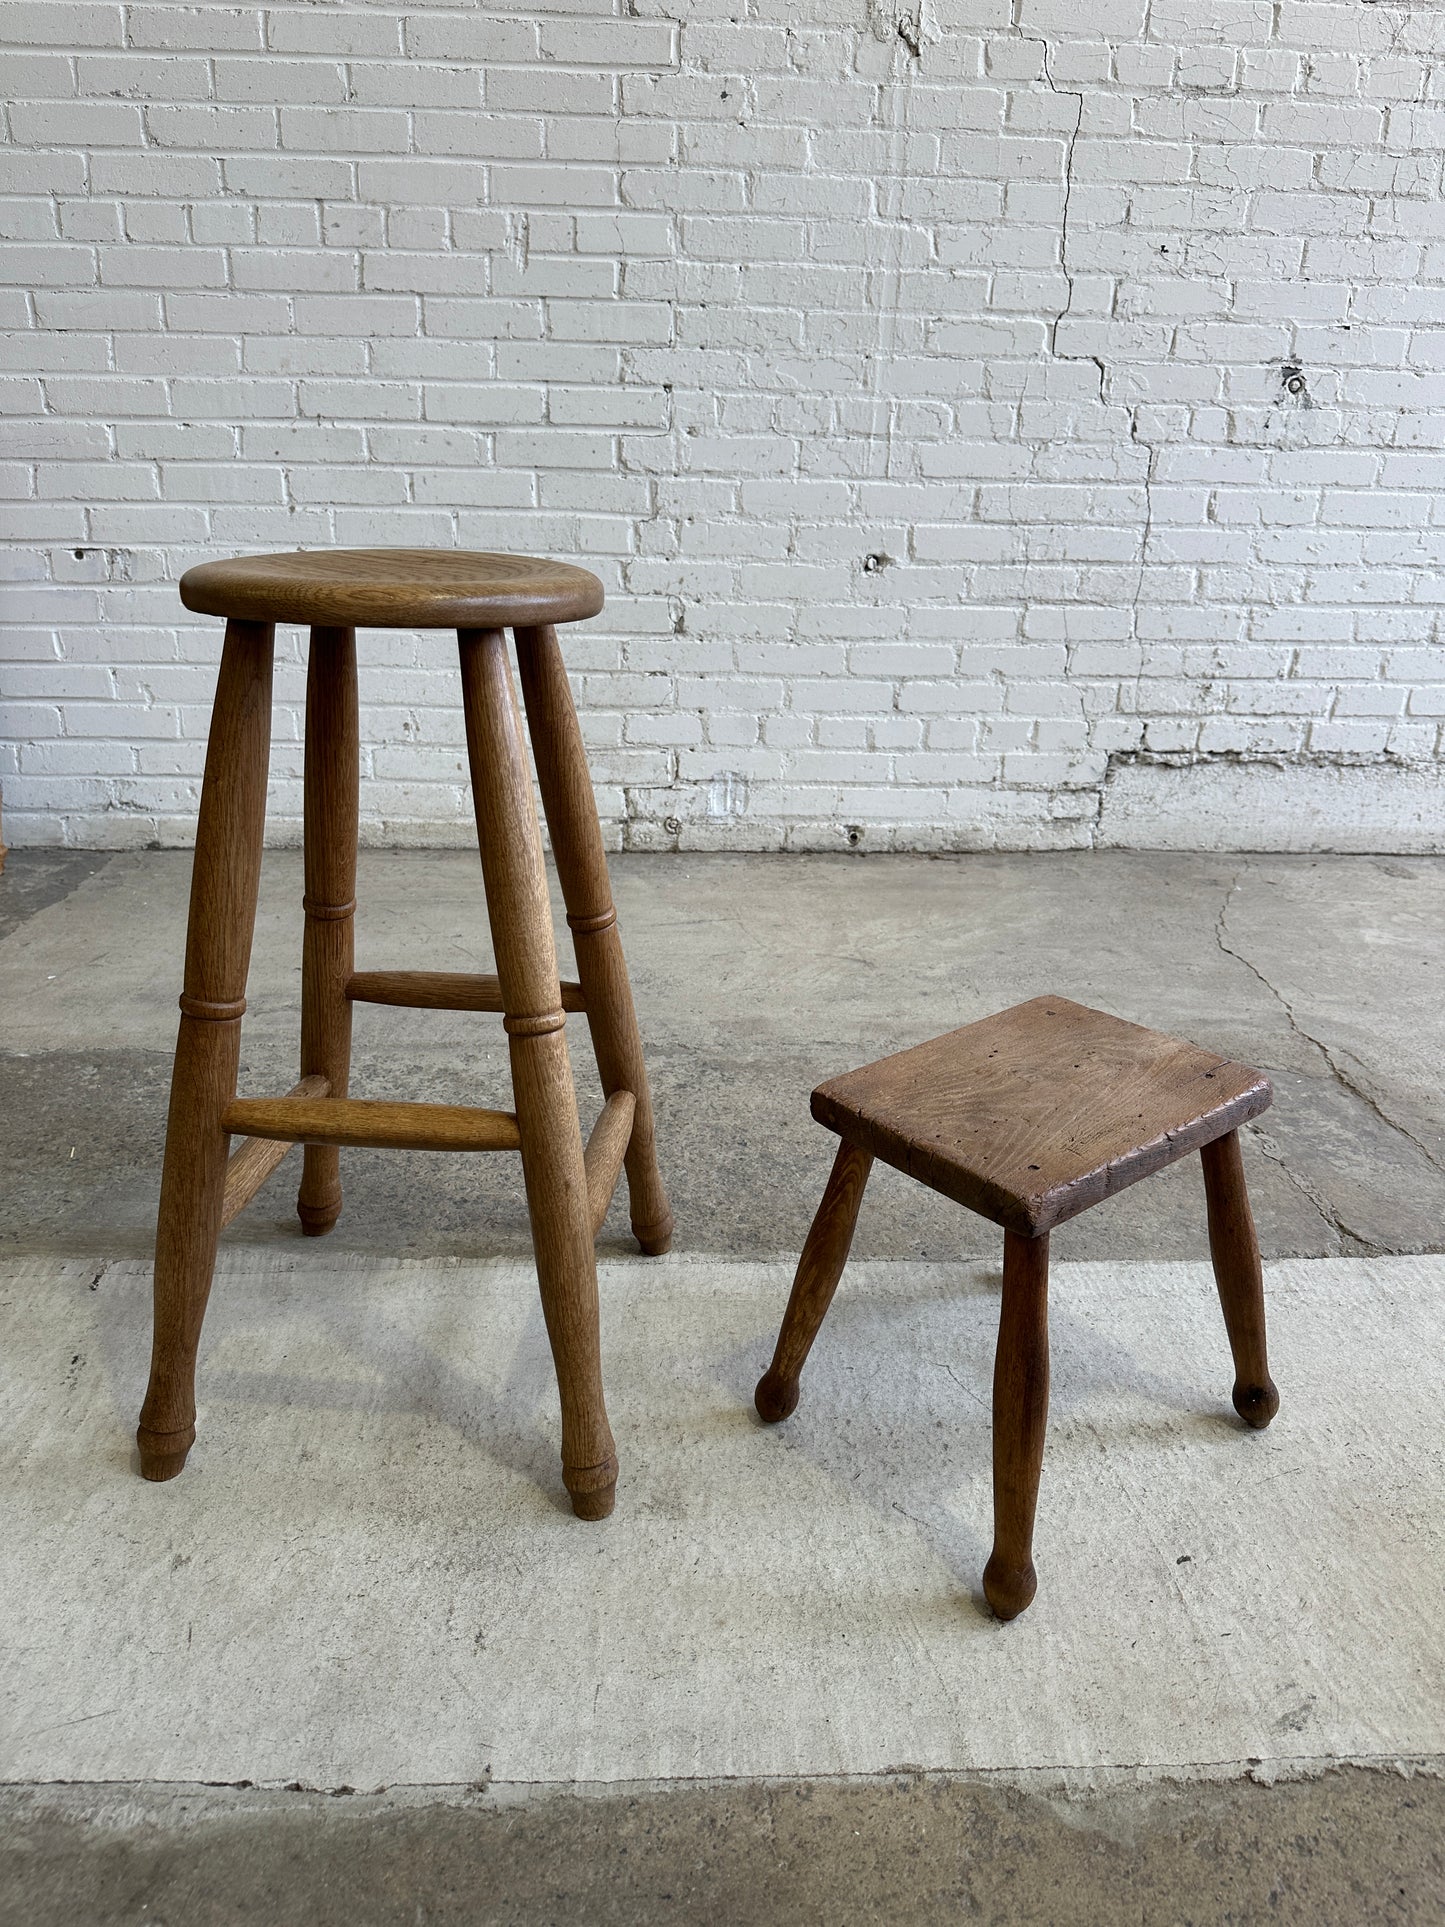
(373,1519)
(755,977)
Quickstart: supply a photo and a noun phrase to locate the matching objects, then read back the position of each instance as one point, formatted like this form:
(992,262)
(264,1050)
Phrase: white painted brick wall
(1014,423)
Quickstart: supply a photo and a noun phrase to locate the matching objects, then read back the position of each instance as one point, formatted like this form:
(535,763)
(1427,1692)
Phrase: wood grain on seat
(1031,1116)
(394,589)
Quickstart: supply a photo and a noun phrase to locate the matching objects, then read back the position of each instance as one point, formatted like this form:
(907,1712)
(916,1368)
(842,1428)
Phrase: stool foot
(1009,1589)
(593,1490)
(654,1239)
(318,1219)
(188,1225)
(163,1454)
(775,1397)
(1256,1404)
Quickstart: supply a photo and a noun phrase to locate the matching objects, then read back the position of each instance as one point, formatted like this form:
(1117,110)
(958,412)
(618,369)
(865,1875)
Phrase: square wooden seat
(1029,1117)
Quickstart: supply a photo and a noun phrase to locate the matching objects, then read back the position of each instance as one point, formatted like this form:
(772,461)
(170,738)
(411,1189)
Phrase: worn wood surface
(393,589)
(373,1122)
(1020,1417)
(1237,1272)
(1031,1116)
(440,990)
(224,877)
(252,1162)
(520,912)
(332,777)
(604,1151)
(571,809)
(825,1253)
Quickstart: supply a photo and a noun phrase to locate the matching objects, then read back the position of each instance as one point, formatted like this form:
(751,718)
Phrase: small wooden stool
(569,1187)
(1028,1118)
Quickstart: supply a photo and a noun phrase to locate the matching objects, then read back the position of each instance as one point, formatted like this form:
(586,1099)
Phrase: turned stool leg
(821,1266)
(224,879)
(1235,1251)
(571,807)
(326,954)
(1020,1416)
(520,913)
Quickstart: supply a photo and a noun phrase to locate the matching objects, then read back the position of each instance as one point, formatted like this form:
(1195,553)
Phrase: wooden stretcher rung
(604,1152)
(383,1126)
(440,990)
(251,1163)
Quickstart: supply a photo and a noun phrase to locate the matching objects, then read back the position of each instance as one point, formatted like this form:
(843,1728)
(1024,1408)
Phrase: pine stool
(1028,1118)
(569,1186)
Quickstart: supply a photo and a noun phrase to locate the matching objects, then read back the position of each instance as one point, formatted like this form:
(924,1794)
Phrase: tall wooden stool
(569,1186)
(1028,1118)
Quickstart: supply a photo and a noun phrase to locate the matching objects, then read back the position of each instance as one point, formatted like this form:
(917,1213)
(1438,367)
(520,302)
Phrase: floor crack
(1353,1243)
(975,1396)
(1341,1076)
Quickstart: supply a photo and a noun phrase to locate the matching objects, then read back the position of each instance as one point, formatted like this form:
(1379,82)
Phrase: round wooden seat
(394,589)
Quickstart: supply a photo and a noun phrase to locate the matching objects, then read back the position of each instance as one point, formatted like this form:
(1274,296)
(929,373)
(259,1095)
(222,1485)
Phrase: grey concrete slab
(914,1849)
(756,977)
(1355,954)
(373,1518)
(33,879)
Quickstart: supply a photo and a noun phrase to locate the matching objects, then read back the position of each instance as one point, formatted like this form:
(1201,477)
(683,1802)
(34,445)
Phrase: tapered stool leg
(1235,1251)
(825,1253)
(571,807)
(224,879)
(1020,1416)
(330,900)
(520,913)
